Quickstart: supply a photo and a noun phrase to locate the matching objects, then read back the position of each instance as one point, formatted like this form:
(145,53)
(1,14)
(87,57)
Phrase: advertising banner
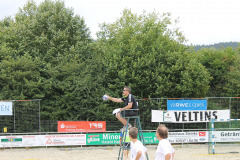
(186,105)
(178,137)
(103,139)
(81,126)
(113,139)
(6,108)
(43,140)
(11,141)
(150,138)
(189,116)
(188,137)
(226,136)
(65,140)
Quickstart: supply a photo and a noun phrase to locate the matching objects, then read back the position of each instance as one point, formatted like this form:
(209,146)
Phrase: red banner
(81,126)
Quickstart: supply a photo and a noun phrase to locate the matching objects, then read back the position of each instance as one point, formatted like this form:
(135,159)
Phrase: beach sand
(189,152)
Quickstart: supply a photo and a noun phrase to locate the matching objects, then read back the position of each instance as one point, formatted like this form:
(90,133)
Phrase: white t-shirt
(164,147)
(135,147)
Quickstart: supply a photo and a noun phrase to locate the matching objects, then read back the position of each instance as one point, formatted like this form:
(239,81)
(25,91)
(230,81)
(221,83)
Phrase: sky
(201,21)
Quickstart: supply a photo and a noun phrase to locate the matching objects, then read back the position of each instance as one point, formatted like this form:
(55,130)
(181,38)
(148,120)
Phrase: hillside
(218,45)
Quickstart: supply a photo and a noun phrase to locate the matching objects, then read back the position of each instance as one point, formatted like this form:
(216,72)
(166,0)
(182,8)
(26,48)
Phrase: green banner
(11,140)
(113,138)
(150,138)
(102,139)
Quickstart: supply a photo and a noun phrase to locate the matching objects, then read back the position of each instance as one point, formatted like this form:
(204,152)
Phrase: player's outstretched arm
(114,99)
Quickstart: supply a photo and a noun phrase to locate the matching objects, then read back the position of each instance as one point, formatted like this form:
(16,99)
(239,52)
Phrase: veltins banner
(186,104)
(6,108)
(189,116)
(81,126)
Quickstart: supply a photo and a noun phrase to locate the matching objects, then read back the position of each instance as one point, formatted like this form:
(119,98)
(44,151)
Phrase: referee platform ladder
(137,124)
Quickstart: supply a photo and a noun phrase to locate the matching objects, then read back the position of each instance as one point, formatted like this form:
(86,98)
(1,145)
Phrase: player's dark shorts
(127,145)
(126,113)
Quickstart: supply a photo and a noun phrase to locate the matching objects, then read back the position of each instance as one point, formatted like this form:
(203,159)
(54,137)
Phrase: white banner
(192,116)
(43,140)
(80,139)
(188,137)
(226,136)
(6,108)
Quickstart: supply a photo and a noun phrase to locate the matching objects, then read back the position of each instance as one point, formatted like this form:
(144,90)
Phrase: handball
(105,97)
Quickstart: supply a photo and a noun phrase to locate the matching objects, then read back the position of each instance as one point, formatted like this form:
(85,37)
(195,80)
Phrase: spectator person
(129,103)
(138,150)
(126,144)
(165,150)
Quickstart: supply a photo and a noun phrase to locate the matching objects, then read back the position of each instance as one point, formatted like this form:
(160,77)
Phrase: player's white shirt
(164,147)
(135,147)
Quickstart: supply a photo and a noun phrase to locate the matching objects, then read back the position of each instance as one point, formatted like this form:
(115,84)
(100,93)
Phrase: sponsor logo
(176,133)
(93,138)
(110,136)
(54,141)
(187,105)
(96,126)
(12,140)
(62,125)
(202,133)
(229,134)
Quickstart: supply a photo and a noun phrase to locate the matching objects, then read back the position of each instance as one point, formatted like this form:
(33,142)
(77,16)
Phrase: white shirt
(135,147)
(164,147)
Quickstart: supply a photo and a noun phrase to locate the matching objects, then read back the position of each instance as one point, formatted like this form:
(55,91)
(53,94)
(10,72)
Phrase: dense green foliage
(140,51)
(220,64)
(46,52)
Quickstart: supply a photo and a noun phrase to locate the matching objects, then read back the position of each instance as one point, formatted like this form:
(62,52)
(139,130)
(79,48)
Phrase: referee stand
(137,124)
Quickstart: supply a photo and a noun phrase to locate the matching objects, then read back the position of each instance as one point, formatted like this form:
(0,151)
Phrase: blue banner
(186,105)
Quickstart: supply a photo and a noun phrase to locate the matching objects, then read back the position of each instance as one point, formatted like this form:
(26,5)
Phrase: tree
(20,78)
(47,53)
(46,31)
(219,64)
(147,53)
(232,86)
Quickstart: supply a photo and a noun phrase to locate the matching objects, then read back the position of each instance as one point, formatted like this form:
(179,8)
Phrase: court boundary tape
(225,154)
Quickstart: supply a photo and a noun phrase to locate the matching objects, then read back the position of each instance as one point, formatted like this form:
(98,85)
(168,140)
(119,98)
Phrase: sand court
(187,152)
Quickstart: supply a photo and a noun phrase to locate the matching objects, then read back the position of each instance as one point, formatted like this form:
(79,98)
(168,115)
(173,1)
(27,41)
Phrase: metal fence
(26,115)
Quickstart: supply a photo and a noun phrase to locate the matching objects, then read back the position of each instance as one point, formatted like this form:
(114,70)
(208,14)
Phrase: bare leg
(121,119)
(125,154)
